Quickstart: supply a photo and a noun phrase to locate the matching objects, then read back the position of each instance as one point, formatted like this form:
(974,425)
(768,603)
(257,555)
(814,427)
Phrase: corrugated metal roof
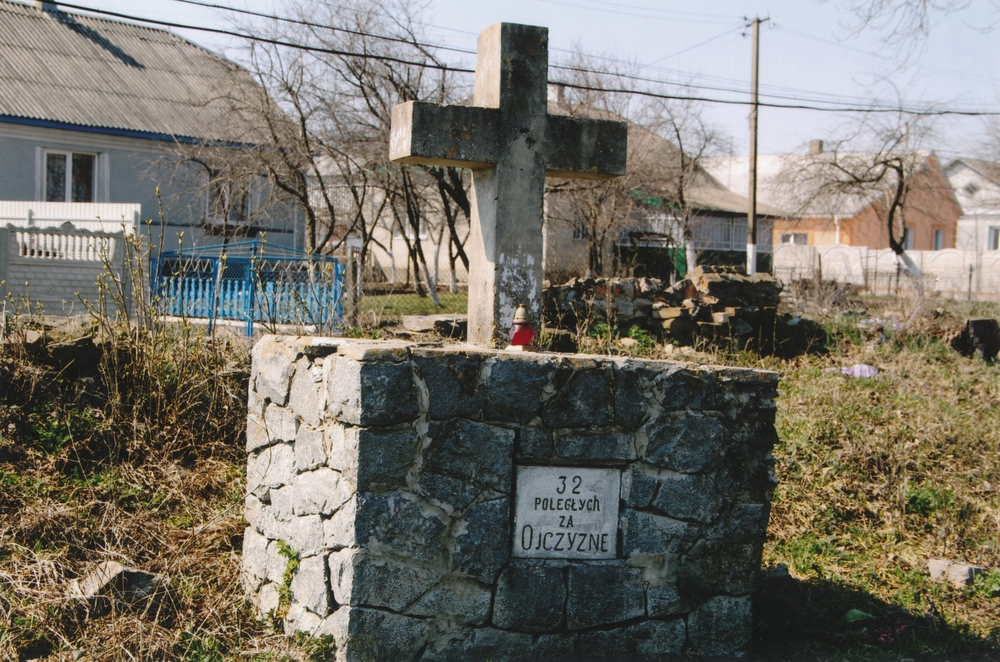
(81,70)
(799,184)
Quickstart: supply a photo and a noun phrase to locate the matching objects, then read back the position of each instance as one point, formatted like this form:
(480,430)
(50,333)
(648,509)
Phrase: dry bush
(140,460)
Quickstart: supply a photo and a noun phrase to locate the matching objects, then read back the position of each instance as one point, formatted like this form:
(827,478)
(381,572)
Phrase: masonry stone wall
(390,471)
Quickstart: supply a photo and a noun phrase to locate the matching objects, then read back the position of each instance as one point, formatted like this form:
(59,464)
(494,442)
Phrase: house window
(907,238)
(994,241)
(794,238)
(971,188)
(70,177)
(580,232)
(938,239)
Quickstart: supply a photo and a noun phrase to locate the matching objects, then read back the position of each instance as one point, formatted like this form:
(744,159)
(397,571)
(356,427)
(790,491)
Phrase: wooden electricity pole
(752,196)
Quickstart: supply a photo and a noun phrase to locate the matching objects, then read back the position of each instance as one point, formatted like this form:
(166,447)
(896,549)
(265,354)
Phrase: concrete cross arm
(583,148)
(460,136)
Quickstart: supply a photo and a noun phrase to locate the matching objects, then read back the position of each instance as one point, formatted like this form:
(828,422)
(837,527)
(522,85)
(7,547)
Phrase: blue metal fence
(250,282)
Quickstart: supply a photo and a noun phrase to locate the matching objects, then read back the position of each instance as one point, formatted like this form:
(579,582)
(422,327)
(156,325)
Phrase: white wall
(946,272)
(56,271)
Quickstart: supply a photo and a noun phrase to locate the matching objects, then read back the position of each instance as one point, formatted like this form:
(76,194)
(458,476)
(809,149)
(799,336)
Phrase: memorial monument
(466,503)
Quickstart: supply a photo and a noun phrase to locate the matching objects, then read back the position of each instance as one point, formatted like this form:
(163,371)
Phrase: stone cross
(510,142)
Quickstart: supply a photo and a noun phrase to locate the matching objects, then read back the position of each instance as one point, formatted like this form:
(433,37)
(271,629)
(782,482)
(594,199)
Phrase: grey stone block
(683,388)
(306,393)
(685,442)
(721,626)
(281,423)
(630,397)
(600,595)
(399,523)
(721,568)
(483,547)
(272,368)
(267,600)
(530,598)
(384,457)
(664,600)
(741,523)
(638,487)
(310,451)
(481,644)
(253,563)
(646,533)
(371,394)
(513,391)
(310,586)
(360,579)
(607,445)
(561,647)
(317,492)
(366,635)
(305,535)
(452,382)
(450,493)
(257,436)
(583,401)
(463,600)
(684,496)
(652,640)
(272,467)
(476,452)
(533,442)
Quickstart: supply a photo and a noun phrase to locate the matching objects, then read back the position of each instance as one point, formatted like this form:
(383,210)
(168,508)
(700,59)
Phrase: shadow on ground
(818,619)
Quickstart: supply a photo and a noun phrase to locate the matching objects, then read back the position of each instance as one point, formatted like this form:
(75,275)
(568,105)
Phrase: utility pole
(752,190)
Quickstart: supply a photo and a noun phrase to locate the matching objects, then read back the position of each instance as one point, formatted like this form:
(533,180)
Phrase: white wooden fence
(957,274)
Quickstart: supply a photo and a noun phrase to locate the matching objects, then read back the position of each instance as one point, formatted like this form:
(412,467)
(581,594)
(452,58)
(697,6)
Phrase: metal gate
(250,282)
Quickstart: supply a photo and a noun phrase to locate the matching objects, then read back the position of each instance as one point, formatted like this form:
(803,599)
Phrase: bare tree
(905,23)
(319,132)
(667,139)
(878,166)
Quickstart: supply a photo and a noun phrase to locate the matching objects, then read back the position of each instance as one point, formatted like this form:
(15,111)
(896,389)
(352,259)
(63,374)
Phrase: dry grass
(143,463)
(140,463)
(878,475)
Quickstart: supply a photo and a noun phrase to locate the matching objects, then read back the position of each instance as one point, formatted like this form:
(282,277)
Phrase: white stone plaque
(566,513)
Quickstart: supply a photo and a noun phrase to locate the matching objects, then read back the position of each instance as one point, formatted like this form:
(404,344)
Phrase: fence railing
(247,282)
(60,245)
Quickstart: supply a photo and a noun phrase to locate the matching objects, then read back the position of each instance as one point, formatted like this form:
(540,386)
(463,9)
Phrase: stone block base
(382,484)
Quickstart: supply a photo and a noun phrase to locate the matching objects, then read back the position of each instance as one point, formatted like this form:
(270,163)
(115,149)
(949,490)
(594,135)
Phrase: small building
(94,110)
(976,184)
(819,206)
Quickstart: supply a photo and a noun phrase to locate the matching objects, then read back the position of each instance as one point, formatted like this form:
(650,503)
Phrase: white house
(977,188)
(92,110)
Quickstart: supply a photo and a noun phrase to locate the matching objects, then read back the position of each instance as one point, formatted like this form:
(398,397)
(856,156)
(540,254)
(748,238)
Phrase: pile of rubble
(713,303)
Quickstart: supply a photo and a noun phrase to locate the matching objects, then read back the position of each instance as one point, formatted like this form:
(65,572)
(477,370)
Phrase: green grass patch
(396,305)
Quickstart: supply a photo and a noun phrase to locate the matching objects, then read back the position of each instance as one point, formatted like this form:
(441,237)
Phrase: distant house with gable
(813,213)
(976,184)
(649,240)
(91,109)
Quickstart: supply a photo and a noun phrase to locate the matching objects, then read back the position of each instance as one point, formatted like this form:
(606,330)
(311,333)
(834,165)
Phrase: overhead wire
(765,93)
(449,68)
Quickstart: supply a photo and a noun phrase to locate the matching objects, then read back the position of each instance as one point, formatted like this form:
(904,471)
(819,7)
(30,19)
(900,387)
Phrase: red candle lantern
(522,334)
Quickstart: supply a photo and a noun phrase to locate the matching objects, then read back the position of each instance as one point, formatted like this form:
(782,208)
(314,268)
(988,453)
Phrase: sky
(807,51)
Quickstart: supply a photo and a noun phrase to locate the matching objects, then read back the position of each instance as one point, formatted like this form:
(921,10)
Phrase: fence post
(350,290)
(4,255)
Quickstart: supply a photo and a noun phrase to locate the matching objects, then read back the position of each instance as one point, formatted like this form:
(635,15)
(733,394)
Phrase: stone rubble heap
(714,303)
(387,470)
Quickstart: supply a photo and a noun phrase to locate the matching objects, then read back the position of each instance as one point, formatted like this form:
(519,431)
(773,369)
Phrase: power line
(276,42)
(419,44)
(321,26)
(445,67)
(698,45)
(623,13)
(734,102)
